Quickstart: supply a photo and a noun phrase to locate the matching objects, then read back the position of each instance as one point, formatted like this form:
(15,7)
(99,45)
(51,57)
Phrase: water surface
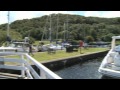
(87,70)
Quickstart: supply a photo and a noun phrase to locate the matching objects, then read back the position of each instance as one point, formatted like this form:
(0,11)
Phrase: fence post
(42,74)
(2,62)
(22,71)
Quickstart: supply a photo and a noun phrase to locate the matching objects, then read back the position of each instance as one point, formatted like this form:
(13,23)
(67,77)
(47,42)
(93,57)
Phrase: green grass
(117,42)
(36,43)
(44,56)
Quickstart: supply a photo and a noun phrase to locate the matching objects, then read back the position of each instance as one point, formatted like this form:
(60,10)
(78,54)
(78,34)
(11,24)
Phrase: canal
(86,70)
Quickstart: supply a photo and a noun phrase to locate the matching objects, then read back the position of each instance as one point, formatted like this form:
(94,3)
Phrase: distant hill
(79,27)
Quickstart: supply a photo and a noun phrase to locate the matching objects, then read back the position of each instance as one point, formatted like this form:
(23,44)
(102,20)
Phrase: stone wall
(62,63)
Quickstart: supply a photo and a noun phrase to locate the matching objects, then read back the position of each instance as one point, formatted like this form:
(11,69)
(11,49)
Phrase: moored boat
(110,65)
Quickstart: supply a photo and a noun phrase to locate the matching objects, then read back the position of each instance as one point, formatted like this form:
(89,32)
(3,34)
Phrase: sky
(19,15)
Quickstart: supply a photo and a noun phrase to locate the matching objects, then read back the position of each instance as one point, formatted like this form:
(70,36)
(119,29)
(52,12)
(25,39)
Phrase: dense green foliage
(79,28)
(13,34)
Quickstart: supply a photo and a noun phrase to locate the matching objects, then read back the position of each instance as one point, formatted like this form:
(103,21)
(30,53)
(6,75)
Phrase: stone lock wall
(62,63)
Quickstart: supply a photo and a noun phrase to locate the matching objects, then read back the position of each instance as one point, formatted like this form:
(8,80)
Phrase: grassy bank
(44,56)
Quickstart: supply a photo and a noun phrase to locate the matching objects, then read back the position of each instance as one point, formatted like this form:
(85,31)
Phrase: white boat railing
(26,63)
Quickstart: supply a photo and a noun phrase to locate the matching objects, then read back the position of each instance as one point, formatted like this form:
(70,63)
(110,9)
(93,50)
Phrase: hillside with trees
(78,28)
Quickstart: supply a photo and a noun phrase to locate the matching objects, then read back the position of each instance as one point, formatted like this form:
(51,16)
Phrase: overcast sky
(19,15)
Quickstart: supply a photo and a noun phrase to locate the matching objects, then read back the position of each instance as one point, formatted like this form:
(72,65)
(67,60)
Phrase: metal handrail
(26,67)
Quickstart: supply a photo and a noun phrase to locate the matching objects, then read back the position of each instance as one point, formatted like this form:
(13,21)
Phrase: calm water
(87,70)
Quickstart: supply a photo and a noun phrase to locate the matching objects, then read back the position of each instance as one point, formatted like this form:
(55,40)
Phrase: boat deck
(112,66)
(28,67)
(10,76)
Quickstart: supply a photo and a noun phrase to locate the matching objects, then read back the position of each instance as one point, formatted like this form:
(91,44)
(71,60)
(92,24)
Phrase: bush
(32,40)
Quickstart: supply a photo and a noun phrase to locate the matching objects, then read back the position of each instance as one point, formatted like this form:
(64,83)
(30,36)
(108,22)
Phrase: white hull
(52,46)
(110,65)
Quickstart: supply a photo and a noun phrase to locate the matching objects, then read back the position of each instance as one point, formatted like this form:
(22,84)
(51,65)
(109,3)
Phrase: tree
(32,40)
(89,39)
(108,37)
(2,37)
(78,27)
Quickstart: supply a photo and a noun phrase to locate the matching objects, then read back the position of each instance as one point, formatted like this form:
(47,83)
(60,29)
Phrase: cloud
(106,14)
(19,15)
(56,12)
(3,17)
(111,14)
(92,13)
